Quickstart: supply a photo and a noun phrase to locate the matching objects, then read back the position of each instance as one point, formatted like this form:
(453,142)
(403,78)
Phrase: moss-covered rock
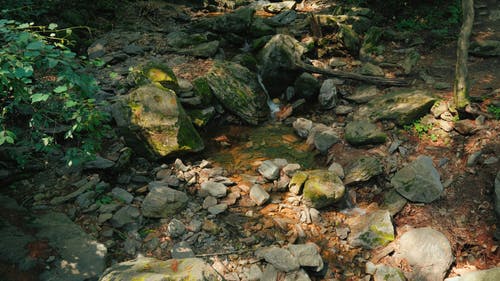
(154,72)
(363,132)
(238,91)
(297,182)
(401,106)
(322,189)
(372,230)
(142,268)
(363,169)
(155,115)
(201,89)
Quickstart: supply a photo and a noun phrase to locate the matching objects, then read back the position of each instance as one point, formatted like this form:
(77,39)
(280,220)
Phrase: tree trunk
(461,86)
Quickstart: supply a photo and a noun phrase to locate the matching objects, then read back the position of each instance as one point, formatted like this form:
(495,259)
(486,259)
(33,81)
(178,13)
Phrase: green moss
(202,89)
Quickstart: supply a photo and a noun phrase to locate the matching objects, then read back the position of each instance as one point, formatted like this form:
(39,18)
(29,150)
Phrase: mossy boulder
(238,90)
(155,115)
(278,60)
(363,132)
(201,89)
(363,169)
(401,106)
(154,72)
(322,189)
(143,268)
(372,230)
(297,182)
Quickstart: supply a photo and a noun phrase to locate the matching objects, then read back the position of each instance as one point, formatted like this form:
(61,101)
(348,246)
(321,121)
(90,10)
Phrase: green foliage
(495,110)
(420,128)
(45,95)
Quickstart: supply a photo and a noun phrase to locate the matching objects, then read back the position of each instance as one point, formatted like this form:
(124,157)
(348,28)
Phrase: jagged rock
(324,138)
(371,230)
(143,268)
(328,94)
(306,86)
(75,247)
(302,127)
(480,275)
(363,132)
(364,94)
(158,118)
(163,202)
(258,194)
(278,59)
(176,228)
(238,91)
(322,188)
(388,273)
(427,252)
(363,169)
(419,181)
(125,215)
(269,170)
(122,195)
(279,258)
(350,38)
(402,106)
(212,188)
(217,209)
(307,255)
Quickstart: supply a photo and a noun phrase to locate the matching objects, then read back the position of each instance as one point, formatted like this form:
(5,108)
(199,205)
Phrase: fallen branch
(353,76)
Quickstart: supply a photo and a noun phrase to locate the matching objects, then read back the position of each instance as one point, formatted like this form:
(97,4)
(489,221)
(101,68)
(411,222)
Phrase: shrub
(46,97)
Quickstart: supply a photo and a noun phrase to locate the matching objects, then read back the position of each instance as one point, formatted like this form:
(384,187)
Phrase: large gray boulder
(280,258)
(155,115)
(238,90)
(163,202)
(401,106)
(322,188)
(427,252)
(80,257)
(419,181)
(278,60)
(151,269)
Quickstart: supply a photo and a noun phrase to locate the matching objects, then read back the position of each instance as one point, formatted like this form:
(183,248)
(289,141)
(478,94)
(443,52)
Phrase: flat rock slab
(402,106)
(363,132)
(419,181)
(151,269)
(280,258)
(81,257)
(428,253)
(363,169)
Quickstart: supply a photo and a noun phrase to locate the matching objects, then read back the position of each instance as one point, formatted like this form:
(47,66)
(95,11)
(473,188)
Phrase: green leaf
(60,89)
(39,97)
(52,26)
(70,103)
(52,62)
(35,45)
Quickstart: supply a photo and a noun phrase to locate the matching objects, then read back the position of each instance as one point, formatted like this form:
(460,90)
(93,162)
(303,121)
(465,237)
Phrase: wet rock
(176,228)
(182,250)
(212,188)
(279,258)
(125,215)
(158,118)
(278,59)
(364,94)
(480,275)
(163,202)
(302,127)
(80,257)
(363,132)
(371,230)
(259,195)
(388,273)
(322,188)
(419,181)
(402,106)
(306,86)
(328,94)
(363,169)
(427,252)
(122,195)
(238,91)
(269,170)
(307,255)
(174,269)
(297,182)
